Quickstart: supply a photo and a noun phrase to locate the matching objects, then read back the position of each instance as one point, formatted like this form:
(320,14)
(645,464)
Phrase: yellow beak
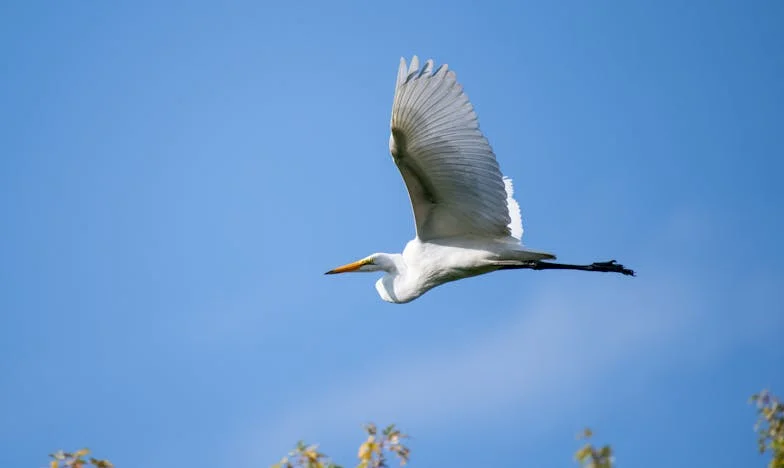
(354,266)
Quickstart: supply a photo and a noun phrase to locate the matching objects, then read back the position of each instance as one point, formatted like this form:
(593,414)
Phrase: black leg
(607,267)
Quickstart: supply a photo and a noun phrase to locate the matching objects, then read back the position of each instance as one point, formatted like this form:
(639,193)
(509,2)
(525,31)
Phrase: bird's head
(375,262)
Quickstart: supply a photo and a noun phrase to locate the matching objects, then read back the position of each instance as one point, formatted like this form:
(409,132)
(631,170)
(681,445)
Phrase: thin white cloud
(552,347)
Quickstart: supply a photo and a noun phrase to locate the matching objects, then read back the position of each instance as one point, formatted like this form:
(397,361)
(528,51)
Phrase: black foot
(611,267)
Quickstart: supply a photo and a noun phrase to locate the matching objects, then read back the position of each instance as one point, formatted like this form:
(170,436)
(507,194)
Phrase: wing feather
(451,173)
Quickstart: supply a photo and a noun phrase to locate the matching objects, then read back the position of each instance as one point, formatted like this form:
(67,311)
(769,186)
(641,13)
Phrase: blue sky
(175,179)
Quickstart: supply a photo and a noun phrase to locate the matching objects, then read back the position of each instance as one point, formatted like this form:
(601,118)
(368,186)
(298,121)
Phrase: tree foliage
(76,459)
(592,457)
(372,453)
(305,456)
(770,426)
(381,445)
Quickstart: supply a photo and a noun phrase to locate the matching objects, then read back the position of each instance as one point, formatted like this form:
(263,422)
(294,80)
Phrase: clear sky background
(175,177)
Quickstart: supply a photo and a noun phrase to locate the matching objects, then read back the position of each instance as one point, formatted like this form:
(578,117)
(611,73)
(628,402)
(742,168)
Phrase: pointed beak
(354,266)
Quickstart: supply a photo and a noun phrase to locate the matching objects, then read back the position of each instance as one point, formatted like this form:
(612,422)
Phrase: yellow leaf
(312,457)
(364,452)
(367,449)
(81,453)
(583,453)
(53,464)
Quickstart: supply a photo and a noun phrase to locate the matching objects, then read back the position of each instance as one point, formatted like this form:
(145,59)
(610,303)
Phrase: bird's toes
(613,267)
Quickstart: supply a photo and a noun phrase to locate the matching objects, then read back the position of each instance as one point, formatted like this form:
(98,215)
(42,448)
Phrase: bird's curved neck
(393,264)
(392,286)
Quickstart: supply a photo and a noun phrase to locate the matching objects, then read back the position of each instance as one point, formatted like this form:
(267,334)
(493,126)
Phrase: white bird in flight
(467,220)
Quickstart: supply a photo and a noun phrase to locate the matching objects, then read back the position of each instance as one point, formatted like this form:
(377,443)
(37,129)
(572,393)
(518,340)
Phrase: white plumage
(466,218)
(516,224)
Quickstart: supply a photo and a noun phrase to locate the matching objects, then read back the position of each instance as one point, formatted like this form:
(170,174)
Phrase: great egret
(467,220)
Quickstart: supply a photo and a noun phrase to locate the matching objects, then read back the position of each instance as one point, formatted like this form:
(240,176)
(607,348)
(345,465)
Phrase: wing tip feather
(408,70)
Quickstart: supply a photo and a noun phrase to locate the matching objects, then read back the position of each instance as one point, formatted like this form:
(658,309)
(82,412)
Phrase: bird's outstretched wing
(452,176)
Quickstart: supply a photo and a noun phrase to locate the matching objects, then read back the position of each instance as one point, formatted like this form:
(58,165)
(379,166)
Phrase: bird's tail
(525,254)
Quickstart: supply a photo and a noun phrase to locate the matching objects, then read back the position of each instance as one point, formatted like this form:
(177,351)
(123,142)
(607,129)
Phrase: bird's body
(467,220)
(425,265)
